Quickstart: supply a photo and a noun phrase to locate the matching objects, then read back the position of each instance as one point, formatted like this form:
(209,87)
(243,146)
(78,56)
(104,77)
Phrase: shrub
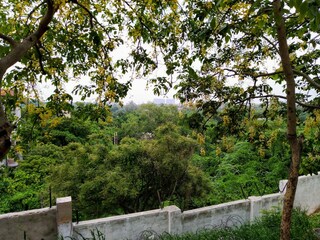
(265,228)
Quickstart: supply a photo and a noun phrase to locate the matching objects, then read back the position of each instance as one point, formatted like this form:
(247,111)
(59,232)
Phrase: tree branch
(40,59)
(252,74)
(92,17)
(308,79)
(23,47)
(271,43)
(302,104)
(34,9)
(8,39)
(88,11)
(43,26)
(141,19)
(297,72)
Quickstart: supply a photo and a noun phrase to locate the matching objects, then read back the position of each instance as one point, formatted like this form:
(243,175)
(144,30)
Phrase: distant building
(168,101)
(159,101)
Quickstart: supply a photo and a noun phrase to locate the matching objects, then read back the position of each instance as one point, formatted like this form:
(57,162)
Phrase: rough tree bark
(294,141)
(5,131)
(18,50)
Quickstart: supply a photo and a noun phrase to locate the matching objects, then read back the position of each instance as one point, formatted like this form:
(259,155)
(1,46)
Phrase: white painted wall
(34,225)
(171,220)
(47,223)
(125,226)
(308,192)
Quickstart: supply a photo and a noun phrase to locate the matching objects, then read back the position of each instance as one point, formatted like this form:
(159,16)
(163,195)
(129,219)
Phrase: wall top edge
(120,217)
(221,205)
(28,212)
(303,176)
(272,195)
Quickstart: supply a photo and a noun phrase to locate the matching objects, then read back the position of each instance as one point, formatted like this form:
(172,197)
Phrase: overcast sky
(139,92)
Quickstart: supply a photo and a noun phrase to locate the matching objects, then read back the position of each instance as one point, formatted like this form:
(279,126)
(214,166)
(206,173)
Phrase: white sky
(139,93)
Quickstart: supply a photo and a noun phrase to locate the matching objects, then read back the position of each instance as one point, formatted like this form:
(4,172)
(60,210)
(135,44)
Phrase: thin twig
(33,10)
(306,105)
(307,78)
(271,43)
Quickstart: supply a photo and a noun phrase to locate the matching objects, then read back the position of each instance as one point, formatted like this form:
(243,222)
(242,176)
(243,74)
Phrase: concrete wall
(226,214)
(308,192)
(171,220)
(38,224)
(263,203)
(32,225)
(50,223)
(129,226)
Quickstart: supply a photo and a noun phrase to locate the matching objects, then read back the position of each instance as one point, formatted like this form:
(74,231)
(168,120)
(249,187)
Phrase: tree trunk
(5,132)
(294,141)
(19,49)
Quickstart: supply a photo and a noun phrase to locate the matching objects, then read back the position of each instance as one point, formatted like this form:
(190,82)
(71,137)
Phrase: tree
(54,41)
(208,45)
(294,141)
(146,118)
(213,45)
(135,175)
(25,187)
(59,40)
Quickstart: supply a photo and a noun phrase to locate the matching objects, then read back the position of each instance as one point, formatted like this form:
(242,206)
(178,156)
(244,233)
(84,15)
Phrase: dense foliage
(147,156)
(206,45)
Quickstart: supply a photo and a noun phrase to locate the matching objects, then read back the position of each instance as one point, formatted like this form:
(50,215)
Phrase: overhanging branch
(253,74)
(92,17)
(302,104)
(307,78)
(271,43)
(33,10)
(8,39)
(257,75)
(23,47)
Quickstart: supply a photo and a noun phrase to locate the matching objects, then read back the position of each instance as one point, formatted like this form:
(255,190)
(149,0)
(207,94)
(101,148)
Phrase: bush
(265,228)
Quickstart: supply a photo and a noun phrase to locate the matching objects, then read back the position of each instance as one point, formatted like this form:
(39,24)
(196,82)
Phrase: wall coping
(120,217)
(216,206)
(27,212)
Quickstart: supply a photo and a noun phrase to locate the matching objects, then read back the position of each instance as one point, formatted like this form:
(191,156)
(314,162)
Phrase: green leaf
(303,9)
(192,73)
(298,3)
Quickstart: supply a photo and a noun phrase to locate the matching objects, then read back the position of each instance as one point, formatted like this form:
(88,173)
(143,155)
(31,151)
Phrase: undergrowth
(265,228)
(315,220)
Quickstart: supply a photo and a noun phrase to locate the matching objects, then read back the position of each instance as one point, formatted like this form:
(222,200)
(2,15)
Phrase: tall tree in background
(219,50)
(227,53)
(56,41)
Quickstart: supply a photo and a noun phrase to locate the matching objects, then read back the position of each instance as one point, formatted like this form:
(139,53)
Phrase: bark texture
(5,132)
(294,141)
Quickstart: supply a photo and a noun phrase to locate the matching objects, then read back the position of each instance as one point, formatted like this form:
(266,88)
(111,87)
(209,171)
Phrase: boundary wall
(51,223)
(171,220)
(307,194)
(34,224)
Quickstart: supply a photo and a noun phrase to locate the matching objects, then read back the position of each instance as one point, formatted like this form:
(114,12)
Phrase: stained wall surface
(39,224)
